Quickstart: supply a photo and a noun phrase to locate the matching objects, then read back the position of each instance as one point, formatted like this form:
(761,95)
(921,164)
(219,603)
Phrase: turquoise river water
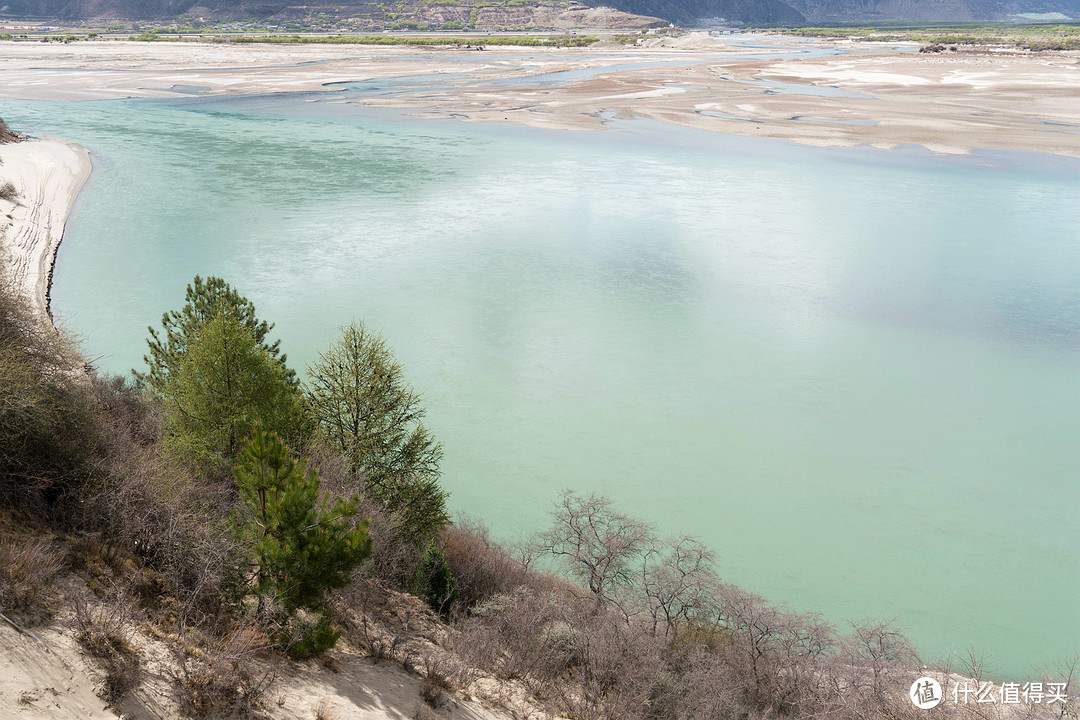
(854,373)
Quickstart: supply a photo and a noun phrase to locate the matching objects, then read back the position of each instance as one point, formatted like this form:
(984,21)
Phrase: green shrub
(315,637)
(435,582)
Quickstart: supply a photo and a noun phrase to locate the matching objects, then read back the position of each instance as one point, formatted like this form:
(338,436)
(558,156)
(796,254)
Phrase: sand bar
(47,176)
(821,92)
(817,92)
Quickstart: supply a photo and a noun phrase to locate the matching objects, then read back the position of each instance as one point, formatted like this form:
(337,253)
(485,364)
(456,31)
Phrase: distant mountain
(689,12)
(470,13)
(537,13)
(684,12)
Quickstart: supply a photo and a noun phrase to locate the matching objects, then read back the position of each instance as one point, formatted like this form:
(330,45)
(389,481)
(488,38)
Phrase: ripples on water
(853,372)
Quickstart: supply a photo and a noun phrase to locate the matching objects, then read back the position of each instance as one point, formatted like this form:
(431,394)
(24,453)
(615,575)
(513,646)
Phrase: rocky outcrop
(7,135)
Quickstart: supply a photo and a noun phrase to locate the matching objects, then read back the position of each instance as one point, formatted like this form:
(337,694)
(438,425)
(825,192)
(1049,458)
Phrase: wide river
(854,373)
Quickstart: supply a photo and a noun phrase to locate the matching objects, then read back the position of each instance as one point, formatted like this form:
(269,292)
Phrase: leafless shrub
(105,565)
(424,712)
(325,710)
(9,192)
(105,622)
(27,568)
(525,549)
(1065,672)
(433,693)
(205,690)
(378,645)
(446,669)
(434,669)
(712,687)
(153,507)
(778,653)
(370,642)
(677,580)
(225,676)
(976,666)
(702,648)
(105,630)
(128,412)
(482,568)
(47,426)
(616,670)
(394,557)
(587,662)
(511,635)
(752,626)
(875,653)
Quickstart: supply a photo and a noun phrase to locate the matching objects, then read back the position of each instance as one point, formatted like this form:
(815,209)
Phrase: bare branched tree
(600,546)
(677,579)
(881,649)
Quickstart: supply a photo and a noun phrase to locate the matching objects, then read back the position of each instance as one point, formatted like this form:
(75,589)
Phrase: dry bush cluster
(105,631)
(9,192)
(395,556)
(224,673)
(483,568)
(28,567)
(657,634)
(149,504)
(47,427)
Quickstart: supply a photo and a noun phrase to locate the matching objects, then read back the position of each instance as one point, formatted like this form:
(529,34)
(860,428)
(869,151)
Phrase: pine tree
(302,544)
(365,408)
(217,375)
(220,386)
(203,301)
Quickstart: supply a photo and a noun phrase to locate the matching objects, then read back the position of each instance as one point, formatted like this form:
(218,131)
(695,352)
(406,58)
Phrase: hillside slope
(357,14)
(691,12)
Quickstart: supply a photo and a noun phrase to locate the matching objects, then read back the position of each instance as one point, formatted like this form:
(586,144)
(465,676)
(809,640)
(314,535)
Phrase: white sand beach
(46,177)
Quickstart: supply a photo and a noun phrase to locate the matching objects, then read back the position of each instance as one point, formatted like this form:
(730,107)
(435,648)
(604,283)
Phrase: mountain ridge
(521,14)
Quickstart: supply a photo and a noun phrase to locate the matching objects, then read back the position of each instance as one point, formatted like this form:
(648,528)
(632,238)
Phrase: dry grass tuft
(105,631)
(27,568)
(326,710)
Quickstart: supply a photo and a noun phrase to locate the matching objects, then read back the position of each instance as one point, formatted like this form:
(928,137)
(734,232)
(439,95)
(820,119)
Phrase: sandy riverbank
(47,176)
(876,95)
